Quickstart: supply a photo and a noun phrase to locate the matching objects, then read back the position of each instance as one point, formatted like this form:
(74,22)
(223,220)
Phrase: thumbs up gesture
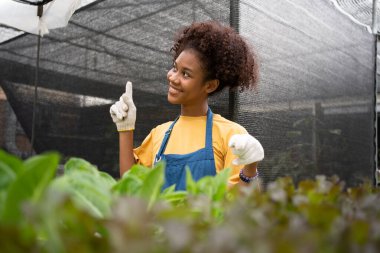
(123,112)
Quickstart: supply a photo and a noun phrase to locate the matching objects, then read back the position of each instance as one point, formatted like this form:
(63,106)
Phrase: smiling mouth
(173,90)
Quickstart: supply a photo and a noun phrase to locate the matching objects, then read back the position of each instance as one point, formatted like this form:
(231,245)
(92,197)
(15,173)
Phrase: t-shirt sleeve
(144,153)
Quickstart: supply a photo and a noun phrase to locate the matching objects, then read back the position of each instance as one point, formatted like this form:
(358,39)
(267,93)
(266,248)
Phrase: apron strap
(165,141)
(209,130)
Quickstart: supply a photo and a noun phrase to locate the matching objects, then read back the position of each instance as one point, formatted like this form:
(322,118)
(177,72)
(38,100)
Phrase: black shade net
(313,111)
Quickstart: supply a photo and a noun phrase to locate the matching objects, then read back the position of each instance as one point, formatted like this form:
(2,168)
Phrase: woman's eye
(185,74)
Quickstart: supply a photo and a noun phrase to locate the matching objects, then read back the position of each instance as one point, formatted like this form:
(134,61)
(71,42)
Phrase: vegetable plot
(86,210)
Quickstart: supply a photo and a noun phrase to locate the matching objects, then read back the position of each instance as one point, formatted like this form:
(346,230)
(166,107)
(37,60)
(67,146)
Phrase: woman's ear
(212,85)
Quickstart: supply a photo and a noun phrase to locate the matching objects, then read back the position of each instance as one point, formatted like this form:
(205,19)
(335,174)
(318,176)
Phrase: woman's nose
(172,77)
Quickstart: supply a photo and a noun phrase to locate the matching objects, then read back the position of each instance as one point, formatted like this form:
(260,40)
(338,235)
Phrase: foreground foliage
(86,210)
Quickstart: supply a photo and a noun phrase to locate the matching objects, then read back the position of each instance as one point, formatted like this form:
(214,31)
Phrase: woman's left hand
(247,149)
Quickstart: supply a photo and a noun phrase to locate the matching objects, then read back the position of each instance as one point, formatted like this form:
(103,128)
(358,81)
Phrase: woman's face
(186,80)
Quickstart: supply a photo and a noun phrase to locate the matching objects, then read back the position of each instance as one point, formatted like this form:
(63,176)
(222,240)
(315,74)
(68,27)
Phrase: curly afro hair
(224,54)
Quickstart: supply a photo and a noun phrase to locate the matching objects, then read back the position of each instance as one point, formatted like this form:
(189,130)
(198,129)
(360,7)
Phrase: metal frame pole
(234,23)
(39,14)
(374,31)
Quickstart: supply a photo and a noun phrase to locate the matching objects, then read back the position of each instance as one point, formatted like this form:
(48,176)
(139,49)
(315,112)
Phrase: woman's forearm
(126,158)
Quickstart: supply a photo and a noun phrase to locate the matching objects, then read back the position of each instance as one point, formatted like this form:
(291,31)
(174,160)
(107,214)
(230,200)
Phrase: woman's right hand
(123,112)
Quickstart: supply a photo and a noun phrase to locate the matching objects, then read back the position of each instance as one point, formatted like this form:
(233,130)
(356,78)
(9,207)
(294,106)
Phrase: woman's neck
(194,110)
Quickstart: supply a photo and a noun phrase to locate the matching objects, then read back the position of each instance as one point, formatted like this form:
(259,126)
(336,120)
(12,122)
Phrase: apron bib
(201,162)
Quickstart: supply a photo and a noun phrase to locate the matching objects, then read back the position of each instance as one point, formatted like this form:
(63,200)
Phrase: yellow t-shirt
(188,135)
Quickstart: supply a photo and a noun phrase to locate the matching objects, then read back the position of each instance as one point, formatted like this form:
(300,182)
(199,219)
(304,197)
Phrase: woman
(207,57)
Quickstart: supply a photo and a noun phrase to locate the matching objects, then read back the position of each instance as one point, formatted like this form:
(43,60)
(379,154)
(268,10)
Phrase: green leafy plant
(86,210)
(142,182)
(23,181)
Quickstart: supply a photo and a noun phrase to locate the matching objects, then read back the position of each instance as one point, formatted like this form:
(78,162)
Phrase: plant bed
(86,210)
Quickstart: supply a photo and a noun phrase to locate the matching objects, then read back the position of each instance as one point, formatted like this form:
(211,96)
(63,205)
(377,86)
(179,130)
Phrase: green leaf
(2,201)
(131,182)
(90,187)
(152,184)
(138,171)
(175,197)
(97,194)
(12,161)
(64,185)
(172,196)
(205,186)
(88,193)
(168,190)
(29,184)
(75,164)
(191,186)
(7,175)
(77,167)
(221,184)
(214,187)
(106,179)
(129,185)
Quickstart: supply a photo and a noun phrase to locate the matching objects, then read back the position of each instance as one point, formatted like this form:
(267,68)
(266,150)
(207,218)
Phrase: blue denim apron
(200,162)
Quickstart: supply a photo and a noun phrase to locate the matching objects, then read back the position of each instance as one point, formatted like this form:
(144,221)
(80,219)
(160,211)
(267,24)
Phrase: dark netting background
(314,111)
(84,68)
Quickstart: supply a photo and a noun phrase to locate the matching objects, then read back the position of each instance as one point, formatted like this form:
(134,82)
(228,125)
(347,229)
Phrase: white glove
(123,112)
(247,148)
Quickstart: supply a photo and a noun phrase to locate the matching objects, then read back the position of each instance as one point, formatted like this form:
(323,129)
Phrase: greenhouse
(314,111)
